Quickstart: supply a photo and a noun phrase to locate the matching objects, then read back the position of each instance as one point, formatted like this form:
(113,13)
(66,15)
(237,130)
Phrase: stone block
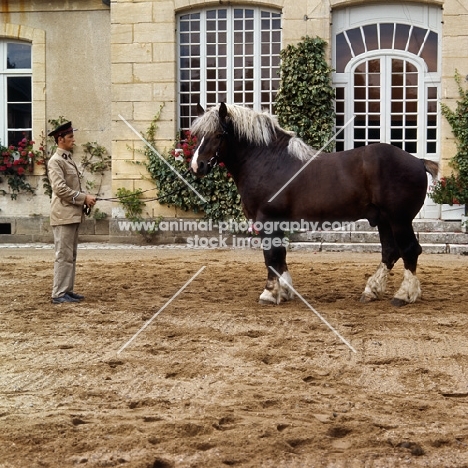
(132,12)
(28,226)
(147,32)
(154,72)
(87,227)
(132,92)
(122,73)
(102,227)
(122,33)
(131,53)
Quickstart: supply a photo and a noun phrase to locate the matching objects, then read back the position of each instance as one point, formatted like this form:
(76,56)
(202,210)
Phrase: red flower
(20,170)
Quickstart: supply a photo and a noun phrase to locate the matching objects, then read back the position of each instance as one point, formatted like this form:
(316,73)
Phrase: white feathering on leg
(285,282)
(410,289)
(377,283)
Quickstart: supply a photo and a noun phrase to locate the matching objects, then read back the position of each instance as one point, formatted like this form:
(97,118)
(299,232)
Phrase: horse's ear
(200,110)
(223,111)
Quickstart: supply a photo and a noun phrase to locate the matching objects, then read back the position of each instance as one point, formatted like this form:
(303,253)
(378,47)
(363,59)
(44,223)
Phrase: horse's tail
(432,167)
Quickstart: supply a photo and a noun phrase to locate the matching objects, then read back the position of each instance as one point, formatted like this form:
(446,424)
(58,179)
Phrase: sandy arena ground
(217,379)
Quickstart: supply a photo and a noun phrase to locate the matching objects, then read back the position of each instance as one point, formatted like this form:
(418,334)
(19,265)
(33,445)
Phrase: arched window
(15,91)
(387,76)
(227,54)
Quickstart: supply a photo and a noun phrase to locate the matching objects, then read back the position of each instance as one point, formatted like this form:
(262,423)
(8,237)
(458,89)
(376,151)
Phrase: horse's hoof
(267,298)
(366,299)
(264,302)
(398,302)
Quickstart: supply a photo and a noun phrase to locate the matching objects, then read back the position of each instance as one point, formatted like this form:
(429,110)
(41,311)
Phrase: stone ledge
(461,249)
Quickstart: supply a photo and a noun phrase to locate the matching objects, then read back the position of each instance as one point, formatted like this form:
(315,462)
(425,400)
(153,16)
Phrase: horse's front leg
(279,282)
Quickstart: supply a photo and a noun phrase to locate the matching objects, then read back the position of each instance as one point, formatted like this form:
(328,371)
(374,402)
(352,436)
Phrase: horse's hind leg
(279,280)
(410,288)
(377,283)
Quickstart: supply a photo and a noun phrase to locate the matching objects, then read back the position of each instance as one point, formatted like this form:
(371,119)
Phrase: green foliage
(98,214)
(217,188)
(304,103)
(454,188)
(96,161)
(131,202)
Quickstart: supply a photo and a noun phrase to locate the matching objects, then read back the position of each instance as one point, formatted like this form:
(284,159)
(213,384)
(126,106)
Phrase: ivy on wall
(305,100)
(454,188)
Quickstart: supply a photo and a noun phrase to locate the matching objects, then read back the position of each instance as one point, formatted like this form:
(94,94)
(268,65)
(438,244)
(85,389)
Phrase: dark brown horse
(282,180)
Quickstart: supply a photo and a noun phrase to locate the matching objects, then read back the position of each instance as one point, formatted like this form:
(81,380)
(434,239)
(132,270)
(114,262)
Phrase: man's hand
(90,200)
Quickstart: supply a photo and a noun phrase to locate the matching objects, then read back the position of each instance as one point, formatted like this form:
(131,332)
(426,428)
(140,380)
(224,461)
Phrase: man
(66,213)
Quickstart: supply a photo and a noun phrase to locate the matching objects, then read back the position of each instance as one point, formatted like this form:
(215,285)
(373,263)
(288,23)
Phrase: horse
(282,180)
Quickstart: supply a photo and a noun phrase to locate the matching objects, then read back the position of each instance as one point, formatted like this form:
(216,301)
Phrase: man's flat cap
(62,130)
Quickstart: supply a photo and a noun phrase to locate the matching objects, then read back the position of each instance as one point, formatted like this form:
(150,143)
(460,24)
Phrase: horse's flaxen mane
(258,128)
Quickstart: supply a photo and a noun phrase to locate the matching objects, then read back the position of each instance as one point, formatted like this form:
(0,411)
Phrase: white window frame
(414,15)
(258,55)
(5,73)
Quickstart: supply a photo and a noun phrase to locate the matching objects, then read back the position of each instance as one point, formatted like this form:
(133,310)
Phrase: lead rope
(87,209)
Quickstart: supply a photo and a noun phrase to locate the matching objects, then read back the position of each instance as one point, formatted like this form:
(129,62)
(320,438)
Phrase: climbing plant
(305,100)
(453,189)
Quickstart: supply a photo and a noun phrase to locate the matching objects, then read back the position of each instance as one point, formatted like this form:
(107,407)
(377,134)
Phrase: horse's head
(211,128)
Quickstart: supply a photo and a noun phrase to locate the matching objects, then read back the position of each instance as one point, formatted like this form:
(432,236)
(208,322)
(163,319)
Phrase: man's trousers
(66,244)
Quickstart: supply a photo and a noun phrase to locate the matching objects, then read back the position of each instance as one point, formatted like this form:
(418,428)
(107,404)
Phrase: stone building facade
(109,66)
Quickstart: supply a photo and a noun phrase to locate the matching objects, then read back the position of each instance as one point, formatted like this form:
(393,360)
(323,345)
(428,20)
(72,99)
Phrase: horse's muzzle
(200,169)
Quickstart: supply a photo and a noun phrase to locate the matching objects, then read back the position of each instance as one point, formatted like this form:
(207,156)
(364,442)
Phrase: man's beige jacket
(67,197)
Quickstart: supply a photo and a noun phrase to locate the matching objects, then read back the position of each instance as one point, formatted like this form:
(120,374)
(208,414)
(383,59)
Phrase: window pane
(19,89)
(386,36)
(374,134)
(429,53)
(432,106)
(18,55)
(411,146)
(432,92)
(416,40)
(19,116)
(401,36)
(343,53)
(370,33)
(432,133)
(355,38)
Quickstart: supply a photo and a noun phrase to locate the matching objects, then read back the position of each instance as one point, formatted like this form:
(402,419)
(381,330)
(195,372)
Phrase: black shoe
(75,295)
(64,298)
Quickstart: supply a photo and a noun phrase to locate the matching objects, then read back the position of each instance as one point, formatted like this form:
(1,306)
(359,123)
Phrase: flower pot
(452,212)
